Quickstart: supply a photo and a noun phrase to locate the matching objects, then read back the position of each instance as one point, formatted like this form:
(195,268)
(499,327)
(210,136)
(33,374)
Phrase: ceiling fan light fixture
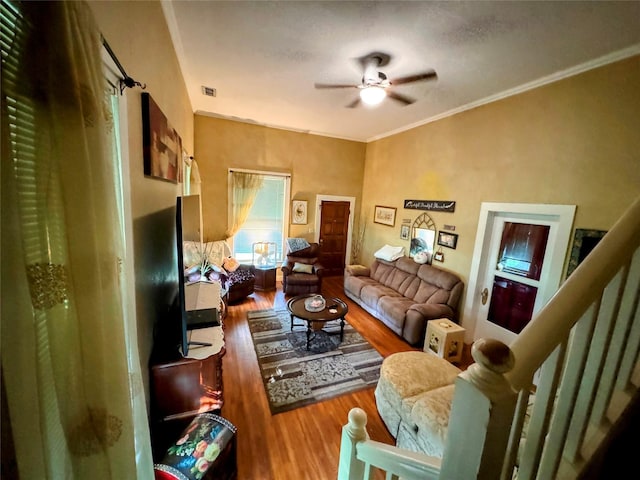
(372,95)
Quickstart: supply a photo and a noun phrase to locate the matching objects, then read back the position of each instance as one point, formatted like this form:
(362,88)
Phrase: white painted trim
(563,214)
(336,198)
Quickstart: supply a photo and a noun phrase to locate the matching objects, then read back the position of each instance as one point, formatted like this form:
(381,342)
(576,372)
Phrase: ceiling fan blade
(415,78)
(400,98)
(355,103)
(330,85)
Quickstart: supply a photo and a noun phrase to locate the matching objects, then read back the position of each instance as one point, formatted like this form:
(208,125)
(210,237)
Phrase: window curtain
(192,180)
(69,342)
(244,188)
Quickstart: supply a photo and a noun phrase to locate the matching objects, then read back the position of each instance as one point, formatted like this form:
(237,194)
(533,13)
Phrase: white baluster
(481,415)
(350,468)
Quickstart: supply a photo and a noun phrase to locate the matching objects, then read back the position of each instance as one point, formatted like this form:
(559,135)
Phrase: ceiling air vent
(208,91)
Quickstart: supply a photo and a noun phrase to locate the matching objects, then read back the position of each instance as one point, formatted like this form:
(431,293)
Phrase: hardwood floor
(303,443)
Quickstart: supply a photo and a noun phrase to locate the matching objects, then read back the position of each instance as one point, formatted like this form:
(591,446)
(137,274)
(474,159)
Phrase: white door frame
(562,214)
(336,198)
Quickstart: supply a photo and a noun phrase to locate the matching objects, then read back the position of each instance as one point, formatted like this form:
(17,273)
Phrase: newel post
(481,415)
(350,468)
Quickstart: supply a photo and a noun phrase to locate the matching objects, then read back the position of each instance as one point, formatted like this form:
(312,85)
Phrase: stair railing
(583,346)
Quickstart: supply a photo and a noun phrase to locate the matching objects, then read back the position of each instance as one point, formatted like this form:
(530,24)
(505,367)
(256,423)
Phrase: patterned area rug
(294,377)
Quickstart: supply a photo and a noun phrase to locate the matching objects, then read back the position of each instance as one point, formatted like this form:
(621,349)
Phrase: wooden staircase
(580,355)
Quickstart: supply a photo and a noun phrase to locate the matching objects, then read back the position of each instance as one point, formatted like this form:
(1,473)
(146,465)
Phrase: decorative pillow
(230,264)
(389,253)
(297,244)
(302,268)
(216,252)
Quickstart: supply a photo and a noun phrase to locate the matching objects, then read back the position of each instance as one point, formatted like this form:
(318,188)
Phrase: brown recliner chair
(301,271)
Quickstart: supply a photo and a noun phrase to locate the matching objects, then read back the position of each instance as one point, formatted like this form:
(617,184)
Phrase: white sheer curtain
(69,342)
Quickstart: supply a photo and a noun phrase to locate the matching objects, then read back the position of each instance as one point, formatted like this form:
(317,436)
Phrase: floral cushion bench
(205,450)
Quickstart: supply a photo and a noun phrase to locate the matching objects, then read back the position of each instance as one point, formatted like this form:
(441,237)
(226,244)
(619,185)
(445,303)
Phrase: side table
(445,339)
(265,278)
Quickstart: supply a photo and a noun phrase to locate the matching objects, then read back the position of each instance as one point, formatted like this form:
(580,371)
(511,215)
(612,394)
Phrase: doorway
(517,266)
(333,232)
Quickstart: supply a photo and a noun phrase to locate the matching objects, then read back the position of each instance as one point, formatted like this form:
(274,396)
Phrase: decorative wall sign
(161,144)
(435,205)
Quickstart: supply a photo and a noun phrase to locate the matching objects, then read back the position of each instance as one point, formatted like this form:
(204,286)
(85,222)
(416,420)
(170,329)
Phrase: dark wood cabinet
(180,389)
(265,278)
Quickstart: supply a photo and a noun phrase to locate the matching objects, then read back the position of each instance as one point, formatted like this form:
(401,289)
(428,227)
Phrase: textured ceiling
(264,57)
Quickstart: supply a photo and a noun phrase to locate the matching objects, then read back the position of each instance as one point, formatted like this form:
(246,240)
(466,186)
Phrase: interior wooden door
(334,224)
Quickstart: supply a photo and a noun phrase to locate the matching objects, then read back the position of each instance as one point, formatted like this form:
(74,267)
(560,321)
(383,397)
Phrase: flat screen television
(188,229)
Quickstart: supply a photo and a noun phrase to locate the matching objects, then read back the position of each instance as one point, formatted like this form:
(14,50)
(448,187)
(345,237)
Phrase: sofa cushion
(393,309)
(371,294)
(406,376)
(354,285)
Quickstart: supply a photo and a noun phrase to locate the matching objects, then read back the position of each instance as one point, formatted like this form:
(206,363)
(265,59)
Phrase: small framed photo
(299,212)
(404,232)
(447,239)
(385,215)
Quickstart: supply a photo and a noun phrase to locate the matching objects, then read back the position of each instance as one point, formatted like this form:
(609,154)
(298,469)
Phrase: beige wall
(575,142)
(318,165)
(138,34)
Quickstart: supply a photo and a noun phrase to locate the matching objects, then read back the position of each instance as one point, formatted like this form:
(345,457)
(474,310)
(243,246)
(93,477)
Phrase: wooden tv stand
(182,387)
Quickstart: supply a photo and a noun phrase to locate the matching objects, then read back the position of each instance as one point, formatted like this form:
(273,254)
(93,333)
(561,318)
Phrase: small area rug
(294,377)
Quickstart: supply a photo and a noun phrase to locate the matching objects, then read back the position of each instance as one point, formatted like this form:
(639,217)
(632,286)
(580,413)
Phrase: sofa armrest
(318,269)
(431,311)
(287,267)
(358,270)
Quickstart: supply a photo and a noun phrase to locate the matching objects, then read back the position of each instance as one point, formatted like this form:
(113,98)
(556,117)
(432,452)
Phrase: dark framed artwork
(161,144)
(584,241)
(447,239)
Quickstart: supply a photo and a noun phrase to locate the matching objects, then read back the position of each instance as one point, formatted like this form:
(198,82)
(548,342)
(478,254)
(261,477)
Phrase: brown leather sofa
(404,295)
(297,282)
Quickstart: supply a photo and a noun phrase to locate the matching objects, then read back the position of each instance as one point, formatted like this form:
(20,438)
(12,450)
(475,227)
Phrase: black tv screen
(188,229)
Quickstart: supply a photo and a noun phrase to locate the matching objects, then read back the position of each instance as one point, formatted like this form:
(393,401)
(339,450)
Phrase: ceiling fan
(376,86)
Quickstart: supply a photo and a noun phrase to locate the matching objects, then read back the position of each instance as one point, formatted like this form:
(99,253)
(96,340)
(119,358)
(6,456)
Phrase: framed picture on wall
(447,239)
(385,215)
(404,232)
(161,144)
(299,212)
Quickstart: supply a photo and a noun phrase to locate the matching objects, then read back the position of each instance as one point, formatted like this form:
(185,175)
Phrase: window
(266,220)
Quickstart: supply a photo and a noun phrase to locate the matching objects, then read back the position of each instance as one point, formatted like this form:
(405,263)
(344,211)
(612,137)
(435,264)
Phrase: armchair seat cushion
(302,279)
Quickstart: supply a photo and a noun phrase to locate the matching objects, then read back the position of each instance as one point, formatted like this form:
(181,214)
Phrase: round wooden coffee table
(335,309)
